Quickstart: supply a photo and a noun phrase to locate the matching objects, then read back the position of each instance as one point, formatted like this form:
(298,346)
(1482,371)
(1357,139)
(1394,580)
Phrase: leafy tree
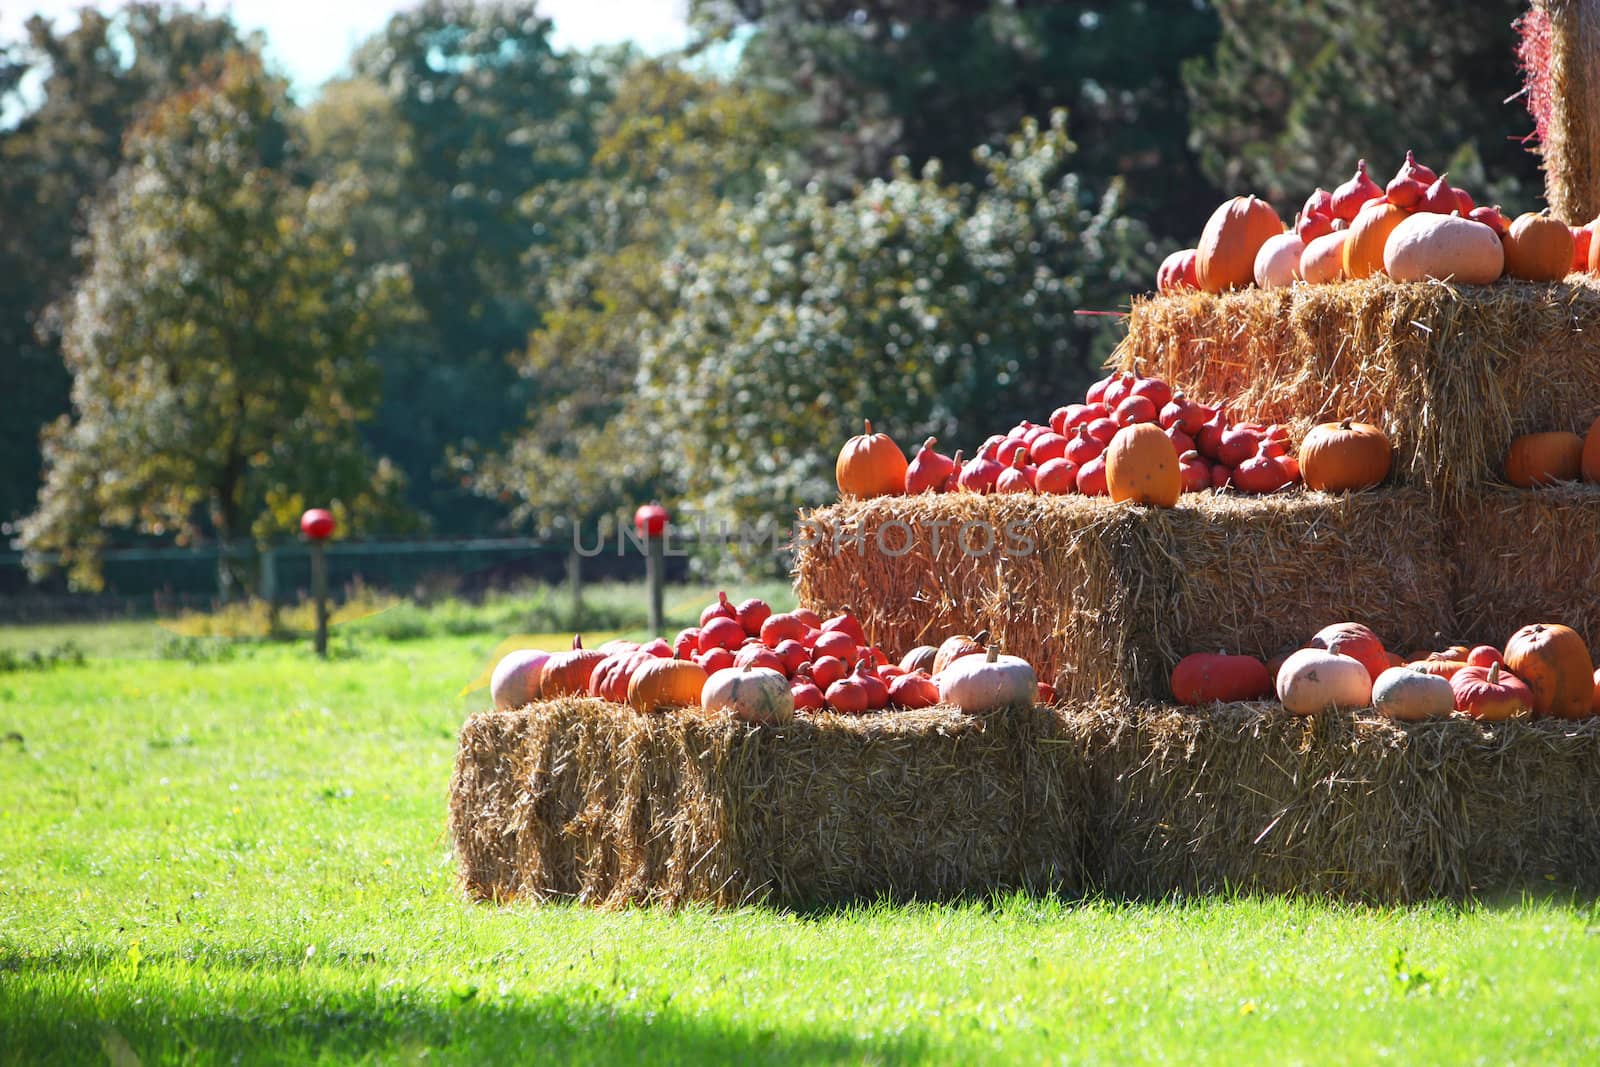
(1295,92)
(475,110)
(928,79)
(929,307)
(218,343)
(673,145)
(95,80)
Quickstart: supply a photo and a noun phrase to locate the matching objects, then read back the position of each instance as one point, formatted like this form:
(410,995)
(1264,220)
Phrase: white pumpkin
(1312,681)
(515,680)
(1412,696)
(1323,259)
(751,694)
(1278,262)
(1447,247)
(984,681)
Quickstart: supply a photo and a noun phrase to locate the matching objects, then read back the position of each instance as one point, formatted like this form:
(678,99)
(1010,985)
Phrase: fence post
(575,587)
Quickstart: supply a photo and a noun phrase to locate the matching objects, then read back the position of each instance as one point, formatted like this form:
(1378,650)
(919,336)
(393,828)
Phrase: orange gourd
(666,683)
(1538,248)
(1340,456)
(1226,256)
(953,648)
(1544,458)
(1369,233)
(871,464)
(1555,663)
(567,673)
(1142,466)
(1589,462)
(1439,668)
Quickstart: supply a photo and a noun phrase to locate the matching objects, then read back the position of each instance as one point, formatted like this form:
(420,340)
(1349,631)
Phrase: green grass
(244,860)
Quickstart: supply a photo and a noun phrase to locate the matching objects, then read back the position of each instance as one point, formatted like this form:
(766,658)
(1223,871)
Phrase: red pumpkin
(752,614)
(784,626)
(914,690)
(1490,693)
(721,607)
(846,697)
(807,697)
(1207,678)
(721,632)
(1356,641)
(612,675)
(846,623)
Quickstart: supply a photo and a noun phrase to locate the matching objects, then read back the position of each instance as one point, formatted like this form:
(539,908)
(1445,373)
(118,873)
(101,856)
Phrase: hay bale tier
(584,800)
(1451,373)
(1104,599)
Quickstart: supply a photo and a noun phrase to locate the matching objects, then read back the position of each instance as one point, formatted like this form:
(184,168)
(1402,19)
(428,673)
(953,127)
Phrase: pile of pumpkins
(1557,456)
(1545,670)
(1415,228)
(1133,439)
(761,667)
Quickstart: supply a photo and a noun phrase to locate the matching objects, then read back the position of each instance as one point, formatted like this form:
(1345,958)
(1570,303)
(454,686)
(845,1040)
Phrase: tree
(928,79)
(929,307)
(96,79)
(477,111)
(219,342)
(1295,93)
(673,146)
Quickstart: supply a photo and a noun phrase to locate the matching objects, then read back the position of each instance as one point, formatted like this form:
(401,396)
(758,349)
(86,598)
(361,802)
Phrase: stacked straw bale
(1451,373)
(1244,797)
(1109,597)
(1523,556)
(582,799)
(1571,129)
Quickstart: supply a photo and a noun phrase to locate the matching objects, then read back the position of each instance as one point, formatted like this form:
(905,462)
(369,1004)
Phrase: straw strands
(1450,373)
(1568,92)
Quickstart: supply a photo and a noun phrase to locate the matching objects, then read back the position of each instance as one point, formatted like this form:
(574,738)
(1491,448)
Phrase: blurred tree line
(482,282)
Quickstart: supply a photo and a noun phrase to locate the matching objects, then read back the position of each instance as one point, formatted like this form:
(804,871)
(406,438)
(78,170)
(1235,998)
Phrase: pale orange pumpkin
(1312,681)
(1446,247)
(1369,233)
(871,464)
(750,694)
(1226,255)
(1323,259)
(1555,663)
(1278,260)
(1538,248)
(1142,466)
(1544,459)
(666,683)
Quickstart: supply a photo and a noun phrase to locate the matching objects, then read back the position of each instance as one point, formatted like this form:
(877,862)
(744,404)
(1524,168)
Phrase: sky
(311,39)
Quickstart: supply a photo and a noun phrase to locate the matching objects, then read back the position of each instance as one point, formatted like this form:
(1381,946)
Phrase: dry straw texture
(1524,556)
(586,800)
(1245,797)
(1571,147)
(1451,373)
(1111,596)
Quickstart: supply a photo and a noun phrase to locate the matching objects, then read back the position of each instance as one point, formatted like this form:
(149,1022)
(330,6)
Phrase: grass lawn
(242,858)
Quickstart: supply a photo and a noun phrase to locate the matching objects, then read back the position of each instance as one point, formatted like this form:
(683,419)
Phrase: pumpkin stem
(981,639)
(577,641)
(868,424)
(1494,673)
(994,653)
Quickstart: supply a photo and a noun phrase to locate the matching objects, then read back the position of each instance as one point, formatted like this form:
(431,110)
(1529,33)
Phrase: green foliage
(929,307)
(95,79)
(62,654)
(219,342)
(1295,93)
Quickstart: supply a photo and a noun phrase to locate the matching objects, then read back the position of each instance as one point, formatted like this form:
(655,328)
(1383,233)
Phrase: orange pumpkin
(1356,641)
(567,673)
(1142,466)
(1555,663)
(1439,668)
(1226,255)
(1339,456)
(1589,462)
(871,464)
(1538,248)
(1323,259)
(1544,458)
(1595,707)
(953,648)
(1369,233)
(666,683)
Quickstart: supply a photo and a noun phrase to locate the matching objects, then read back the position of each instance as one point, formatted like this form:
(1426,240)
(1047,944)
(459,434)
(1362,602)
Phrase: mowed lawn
(245,860)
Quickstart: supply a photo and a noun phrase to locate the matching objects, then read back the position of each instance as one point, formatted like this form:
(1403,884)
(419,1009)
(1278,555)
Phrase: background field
(218,850)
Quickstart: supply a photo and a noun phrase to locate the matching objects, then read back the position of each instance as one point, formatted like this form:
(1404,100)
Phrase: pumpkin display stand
(1451,373)
(584,800)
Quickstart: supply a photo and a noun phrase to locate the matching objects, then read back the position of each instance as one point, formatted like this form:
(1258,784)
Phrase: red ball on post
(650,519)
(317,524)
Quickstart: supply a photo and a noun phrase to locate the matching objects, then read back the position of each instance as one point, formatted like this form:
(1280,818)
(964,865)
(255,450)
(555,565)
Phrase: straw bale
(1451,373)
(581,799)
(1111,596)
(1245,798)
(1524,556)
(1571,145)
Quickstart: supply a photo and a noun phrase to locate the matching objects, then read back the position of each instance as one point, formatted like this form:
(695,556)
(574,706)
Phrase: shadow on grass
(97,1009)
